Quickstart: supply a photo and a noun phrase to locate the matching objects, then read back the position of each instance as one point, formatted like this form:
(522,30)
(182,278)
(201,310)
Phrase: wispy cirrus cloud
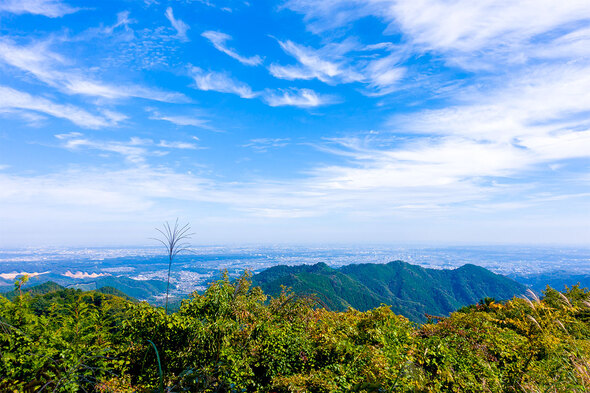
(14,99)
(539,101)
(383,75)
(180,120)
(123,20)
(50,8)
(56,70)
(135,150)
(132,150)
(302,98)
(328,64)
(262,145)
(220,82)
(180,27)
(470,31)
(409,181)
(178,145)
(527,124)
(219,41)
(343,62)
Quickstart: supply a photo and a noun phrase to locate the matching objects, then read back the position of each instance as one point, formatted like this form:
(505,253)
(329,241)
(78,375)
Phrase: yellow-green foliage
(235,339)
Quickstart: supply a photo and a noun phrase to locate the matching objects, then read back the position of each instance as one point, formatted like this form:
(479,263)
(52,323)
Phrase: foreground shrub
(233,338)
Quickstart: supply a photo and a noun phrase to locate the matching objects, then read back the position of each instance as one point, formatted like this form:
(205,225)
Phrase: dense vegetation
(410,290)
(50,287)
(235,339)
(150,290)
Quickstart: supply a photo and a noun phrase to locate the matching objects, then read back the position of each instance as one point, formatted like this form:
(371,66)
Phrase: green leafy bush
(233,338)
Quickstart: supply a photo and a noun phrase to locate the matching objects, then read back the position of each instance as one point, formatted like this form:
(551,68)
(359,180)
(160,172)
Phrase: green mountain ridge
(139,289)
(148,290)
(410,290)
(39,289)
(50,287)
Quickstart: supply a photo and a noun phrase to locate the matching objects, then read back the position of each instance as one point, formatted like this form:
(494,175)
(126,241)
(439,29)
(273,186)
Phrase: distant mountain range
(150,290)
(410,290)
(50,286)
(556,279)
(139,289)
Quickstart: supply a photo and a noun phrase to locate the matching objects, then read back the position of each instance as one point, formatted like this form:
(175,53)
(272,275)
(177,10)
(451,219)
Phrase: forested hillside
(234,338)
(410,290)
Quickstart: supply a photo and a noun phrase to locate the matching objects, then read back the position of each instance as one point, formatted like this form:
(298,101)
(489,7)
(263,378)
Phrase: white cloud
(527,123)
(544,100)
(343,62)
(135,150)
(122,20)
(470,26)
(221,82)
(33,119)
(219,41)
(180,27)
(303,98)
(225,8)
(383,75)
(56,71)
(422,181)
(262,145)
(180,120)
(14,99)
(327,64)
(50,8)
(178,145)
(478,29)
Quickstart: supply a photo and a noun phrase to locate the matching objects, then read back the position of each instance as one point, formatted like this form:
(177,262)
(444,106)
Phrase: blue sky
(299,121)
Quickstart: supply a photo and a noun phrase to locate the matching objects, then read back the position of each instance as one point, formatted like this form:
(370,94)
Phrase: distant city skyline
(295,122)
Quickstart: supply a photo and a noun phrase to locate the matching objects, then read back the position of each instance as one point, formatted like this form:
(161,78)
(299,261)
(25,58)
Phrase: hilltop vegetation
(49,286)
(150,290)
(233,338)
(410,290)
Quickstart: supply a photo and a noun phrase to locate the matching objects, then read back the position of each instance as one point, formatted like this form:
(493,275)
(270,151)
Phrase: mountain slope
(538,282)
(138,289)
(410,290)
(40,289)
(337,290)
(49,287)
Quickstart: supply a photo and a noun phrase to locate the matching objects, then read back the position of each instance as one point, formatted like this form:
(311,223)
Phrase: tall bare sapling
(174,240)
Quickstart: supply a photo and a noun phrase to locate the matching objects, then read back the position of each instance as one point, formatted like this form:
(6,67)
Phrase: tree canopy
(234,338)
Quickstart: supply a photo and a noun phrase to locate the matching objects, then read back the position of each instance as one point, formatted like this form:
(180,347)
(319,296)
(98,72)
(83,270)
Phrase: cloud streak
(220,82)
(180,27)
(262,145)
(219,41)
(343,62)
(52,68)
(465,31)
(14,99)
(180,120)
(49,8)
(302,98)
(135,150)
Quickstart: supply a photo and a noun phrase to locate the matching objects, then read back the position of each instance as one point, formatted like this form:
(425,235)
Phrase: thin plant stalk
(159,366)
(174,240)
